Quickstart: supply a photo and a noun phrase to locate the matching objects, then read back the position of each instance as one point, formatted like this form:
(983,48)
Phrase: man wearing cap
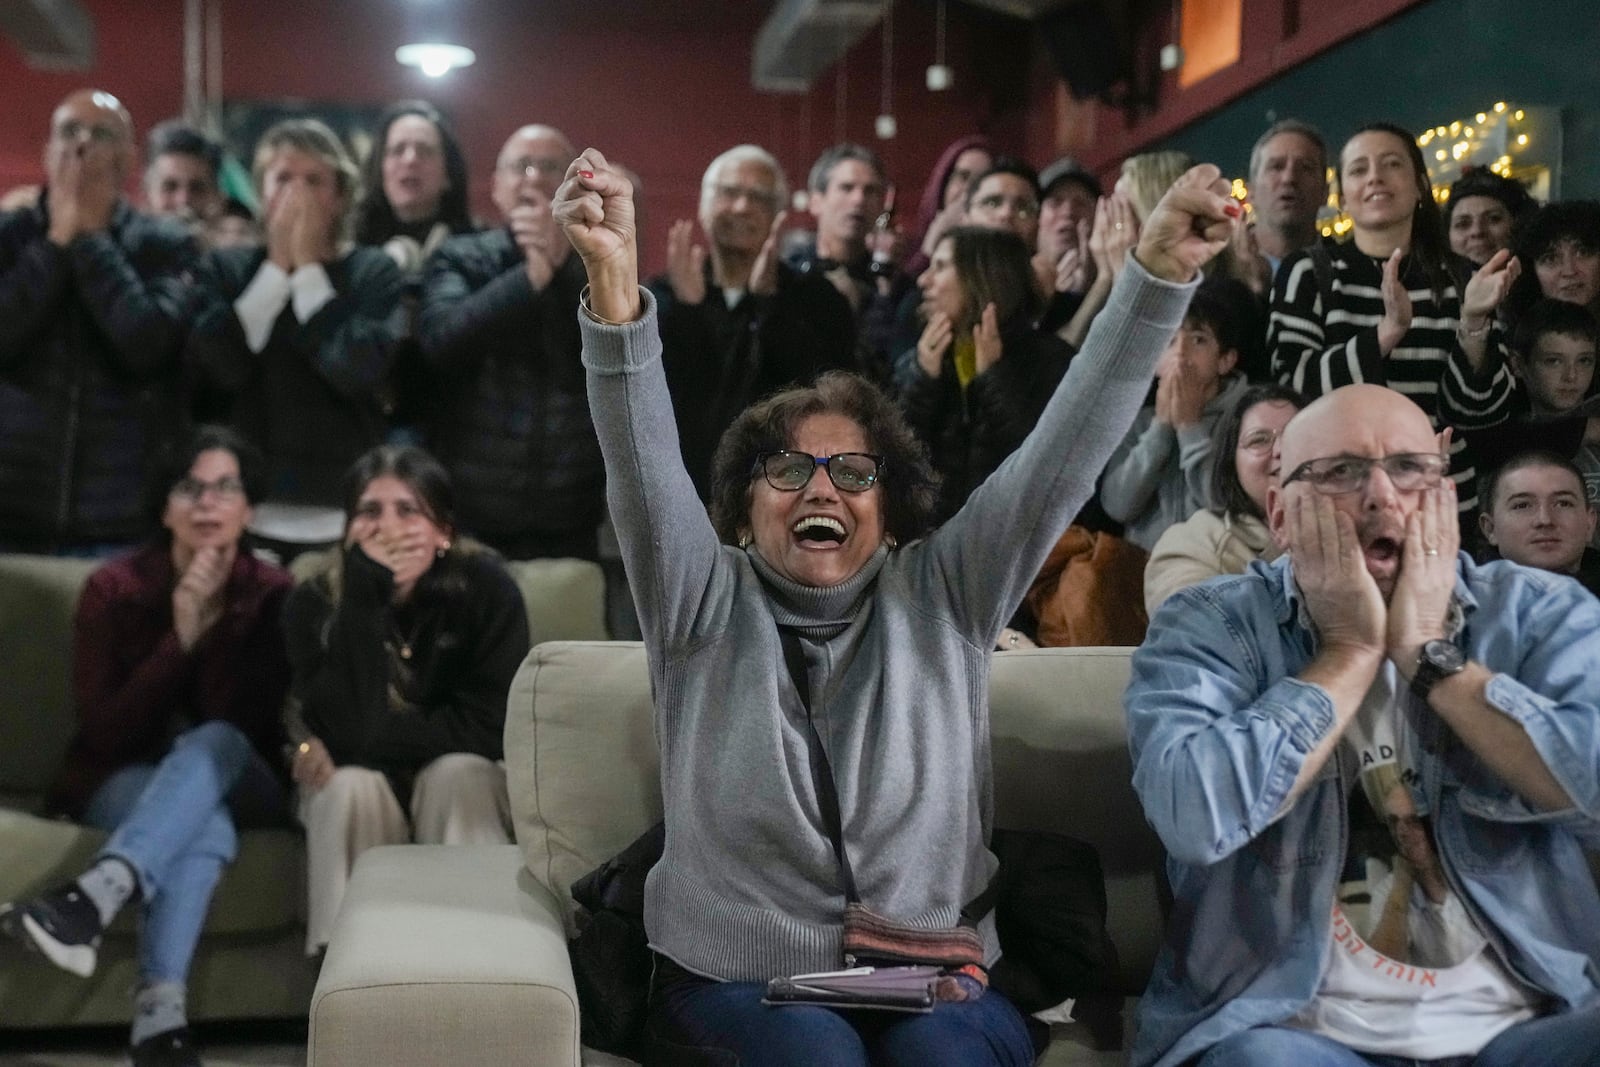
(1066,213)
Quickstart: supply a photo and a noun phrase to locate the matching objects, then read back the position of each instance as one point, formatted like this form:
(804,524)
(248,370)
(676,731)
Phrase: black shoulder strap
(821,769)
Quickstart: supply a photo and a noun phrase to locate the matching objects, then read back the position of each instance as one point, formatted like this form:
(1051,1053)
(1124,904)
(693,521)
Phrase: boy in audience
(1157,476)
(1552,356)
(1535,513)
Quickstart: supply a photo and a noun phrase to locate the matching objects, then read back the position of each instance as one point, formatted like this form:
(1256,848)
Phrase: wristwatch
(1437,661)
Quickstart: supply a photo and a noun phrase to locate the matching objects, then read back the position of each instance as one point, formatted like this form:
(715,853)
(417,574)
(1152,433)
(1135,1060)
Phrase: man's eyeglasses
(192,489)
(1409,471)
(1023,208)
(528,167)
(790,471)
(760,197)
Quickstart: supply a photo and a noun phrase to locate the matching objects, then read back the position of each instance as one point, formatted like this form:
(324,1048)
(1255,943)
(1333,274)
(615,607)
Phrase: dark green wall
(1443,60)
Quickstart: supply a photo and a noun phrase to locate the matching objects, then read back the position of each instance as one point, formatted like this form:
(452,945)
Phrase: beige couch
(251,959)
(458,955)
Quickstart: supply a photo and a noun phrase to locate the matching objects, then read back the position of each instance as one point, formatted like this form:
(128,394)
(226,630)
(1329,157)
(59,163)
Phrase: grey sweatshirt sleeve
(1137,468)
(667,542)
(982,560)
(1194,459)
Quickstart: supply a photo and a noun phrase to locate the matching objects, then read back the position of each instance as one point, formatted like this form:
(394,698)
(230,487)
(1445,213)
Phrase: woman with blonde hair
(294,340)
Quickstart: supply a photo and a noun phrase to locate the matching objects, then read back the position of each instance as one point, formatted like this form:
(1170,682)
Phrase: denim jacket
(1219,727)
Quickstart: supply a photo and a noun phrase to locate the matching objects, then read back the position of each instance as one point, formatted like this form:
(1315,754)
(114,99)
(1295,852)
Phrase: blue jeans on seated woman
(173,823)
(1571,1039)
(695,1020)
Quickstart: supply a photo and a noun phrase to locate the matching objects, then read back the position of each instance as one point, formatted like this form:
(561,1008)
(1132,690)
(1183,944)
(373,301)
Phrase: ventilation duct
(803,38)
(50,34)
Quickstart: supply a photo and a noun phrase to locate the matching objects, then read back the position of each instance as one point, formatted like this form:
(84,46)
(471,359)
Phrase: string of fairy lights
(1503,139)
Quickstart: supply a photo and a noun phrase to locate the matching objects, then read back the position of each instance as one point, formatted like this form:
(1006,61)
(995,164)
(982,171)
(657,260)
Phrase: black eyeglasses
(1333,475)
(192,489)
(790,471)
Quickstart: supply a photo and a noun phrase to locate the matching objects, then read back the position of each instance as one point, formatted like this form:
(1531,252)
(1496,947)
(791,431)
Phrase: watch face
(1444,656)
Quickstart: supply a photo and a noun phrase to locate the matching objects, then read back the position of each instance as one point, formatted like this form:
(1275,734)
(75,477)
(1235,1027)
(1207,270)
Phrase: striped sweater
(1316,349)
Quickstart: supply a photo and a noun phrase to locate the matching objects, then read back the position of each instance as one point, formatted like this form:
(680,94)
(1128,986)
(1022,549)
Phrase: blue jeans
(171,822)
(1571,1039)
(697,1020)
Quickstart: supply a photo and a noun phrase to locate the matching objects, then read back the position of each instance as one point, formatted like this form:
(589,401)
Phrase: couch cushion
(581,759)
(445,954)
(38,595)
(1061,763)
(262,892)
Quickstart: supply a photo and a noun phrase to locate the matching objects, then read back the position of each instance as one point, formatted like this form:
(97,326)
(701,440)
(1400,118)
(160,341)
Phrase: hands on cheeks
(1341,596)
(1192,223)
(1420,605)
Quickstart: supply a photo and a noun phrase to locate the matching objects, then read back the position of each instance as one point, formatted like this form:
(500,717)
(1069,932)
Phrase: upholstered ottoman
(445,955)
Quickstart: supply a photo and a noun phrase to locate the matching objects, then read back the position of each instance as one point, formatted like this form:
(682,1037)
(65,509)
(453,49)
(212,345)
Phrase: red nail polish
(1233,209)
(586,174)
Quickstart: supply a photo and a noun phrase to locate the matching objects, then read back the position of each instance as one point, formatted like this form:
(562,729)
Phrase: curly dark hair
(908,482)
(1226,491)
(375,219)
(1540,231)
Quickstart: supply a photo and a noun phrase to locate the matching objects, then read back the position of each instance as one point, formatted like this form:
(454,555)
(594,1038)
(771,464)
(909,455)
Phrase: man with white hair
(736,322)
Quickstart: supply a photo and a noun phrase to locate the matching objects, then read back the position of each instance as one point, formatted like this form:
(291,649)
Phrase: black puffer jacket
(90,338)
(971,432)
(314,397)
(514,429)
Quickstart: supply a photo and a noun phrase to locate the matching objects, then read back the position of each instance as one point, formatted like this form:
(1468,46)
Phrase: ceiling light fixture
(435,60)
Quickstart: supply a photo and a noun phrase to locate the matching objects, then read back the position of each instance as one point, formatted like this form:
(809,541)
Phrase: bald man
(498,330)
(91,298)
(1373,765)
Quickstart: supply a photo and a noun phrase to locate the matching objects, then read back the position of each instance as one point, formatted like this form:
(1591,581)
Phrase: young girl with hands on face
(402,654)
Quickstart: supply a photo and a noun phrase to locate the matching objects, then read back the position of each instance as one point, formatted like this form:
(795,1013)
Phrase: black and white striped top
(1316,350)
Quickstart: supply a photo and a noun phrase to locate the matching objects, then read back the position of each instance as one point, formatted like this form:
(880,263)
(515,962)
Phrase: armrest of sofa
(445,954)
(38,596)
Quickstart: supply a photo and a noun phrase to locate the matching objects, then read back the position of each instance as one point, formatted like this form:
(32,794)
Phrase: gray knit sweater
(748,886)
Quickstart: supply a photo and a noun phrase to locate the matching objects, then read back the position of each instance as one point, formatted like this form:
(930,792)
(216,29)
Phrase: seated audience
(178,676)
(1372,765)
(181,175)
(981,374)
(402,654)
(1553,358)
(415,182)
(1228,536)
(1558,246)
(736,322)
(1384,308)
(1157,476)
(92,313)
(1535,513)
(1481,212)
(294,342)
(812,575)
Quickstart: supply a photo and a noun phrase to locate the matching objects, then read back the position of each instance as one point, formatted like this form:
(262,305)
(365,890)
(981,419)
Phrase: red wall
(662,87)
